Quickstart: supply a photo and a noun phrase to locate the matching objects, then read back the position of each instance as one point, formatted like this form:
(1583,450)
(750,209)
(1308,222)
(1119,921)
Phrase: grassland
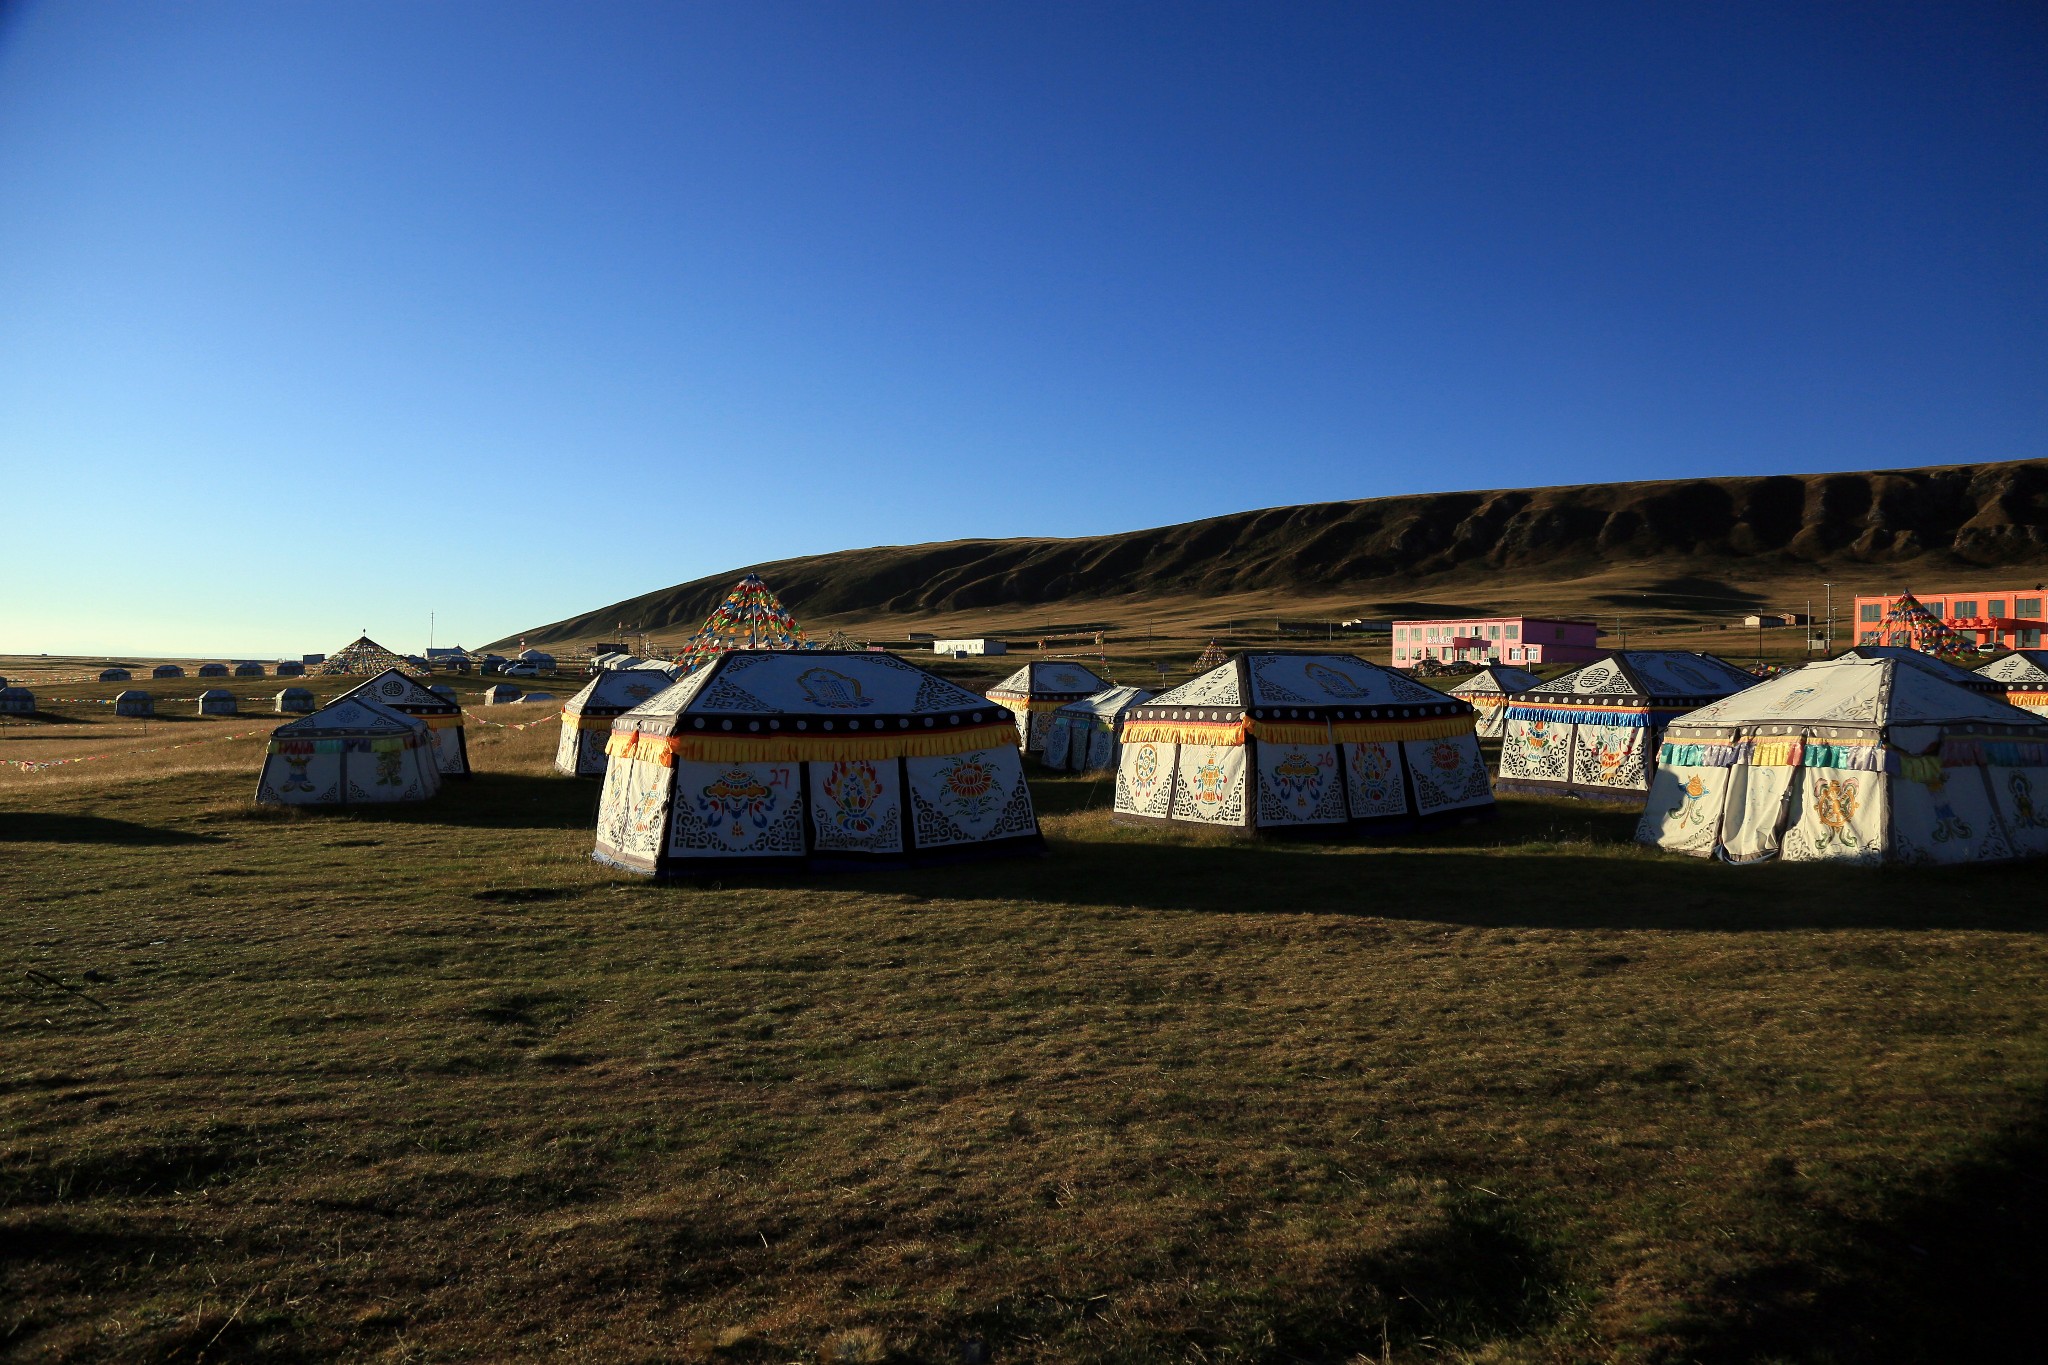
(427,1084)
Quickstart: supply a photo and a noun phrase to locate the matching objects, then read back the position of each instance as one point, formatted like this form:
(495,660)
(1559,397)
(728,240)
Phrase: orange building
(1992,616)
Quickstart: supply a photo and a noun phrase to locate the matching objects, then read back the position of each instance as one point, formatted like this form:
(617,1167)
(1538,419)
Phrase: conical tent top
(751,617)
(1924,630)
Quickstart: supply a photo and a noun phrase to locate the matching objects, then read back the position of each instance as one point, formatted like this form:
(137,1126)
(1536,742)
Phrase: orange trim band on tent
(1010,701)
(666,749)
(1227,733)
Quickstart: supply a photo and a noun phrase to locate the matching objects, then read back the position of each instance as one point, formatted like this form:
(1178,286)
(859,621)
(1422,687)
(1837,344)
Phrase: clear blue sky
(317,316)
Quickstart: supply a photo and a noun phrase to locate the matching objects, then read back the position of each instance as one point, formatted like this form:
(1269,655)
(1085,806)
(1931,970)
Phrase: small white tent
(350,752)
(217,701)
(17,700)
(213,670)
(294,699)
(1857,760)
(811,758)
(500,694)
(167,671)
(2024,676)
(1489,689)
(115,675)
(249,670)
(442,715)
(587,718)
(1083,734)
(1953,674)
(134,702)
(1037,690)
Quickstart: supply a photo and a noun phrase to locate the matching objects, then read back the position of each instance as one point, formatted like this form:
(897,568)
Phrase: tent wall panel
(1209,785)
(1683,813)
(1447,774)
(856,805)
(1144,779)
(1836,813)
(1757,811)
(1372,778)
(736,810)
(1299,784)
(971,798)
(2020,796)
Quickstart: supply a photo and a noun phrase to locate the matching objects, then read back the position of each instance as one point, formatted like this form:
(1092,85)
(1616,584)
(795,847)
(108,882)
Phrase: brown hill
(1942,521)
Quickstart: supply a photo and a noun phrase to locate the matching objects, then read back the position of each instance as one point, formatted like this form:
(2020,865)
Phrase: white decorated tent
(352,751)
(17,700)
(1489,689)
(2024,676)
(1933,667)
(811,758)
(1857,760)
(294,699)
(1083,733)
(1036,690)
(442,715)
(134,702)
(587,718)
(1593,732)
(217,701)
(115,675)
(1283,741)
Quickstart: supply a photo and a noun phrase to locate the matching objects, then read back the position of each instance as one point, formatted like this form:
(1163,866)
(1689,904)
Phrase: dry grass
(428,1084)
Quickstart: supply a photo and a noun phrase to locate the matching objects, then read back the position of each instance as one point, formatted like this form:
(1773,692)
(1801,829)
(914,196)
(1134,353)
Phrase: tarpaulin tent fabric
(443,715)
(1036,690)
(1853,760)
(1593,732)
(17,700)
(217,701)
(587,718)
(352,751)
(811,758)
(294,699)
(1300,742)
(134,702)
(1489,689)
(1083,734)
(1952,674)
(2024,676)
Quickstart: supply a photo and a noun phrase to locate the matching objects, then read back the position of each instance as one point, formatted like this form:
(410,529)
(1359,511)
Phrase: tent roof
(2021,668)
(1851,692)
(1914,658)
(364,655)
(1107,702)
(398,691)
(615,692)
(1495,678)
(348,716)
(1313,679)
(1647,676)
(848,689)
(1051,678)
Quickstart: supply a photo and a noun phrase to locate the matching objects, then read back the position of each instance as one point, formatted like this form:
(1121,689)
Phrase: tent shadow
(490,800)
(1947,1267)
(35,827)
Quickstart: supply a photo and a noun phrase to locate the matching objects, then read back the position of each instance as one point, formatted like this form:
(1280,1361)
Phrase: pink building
(1511,639)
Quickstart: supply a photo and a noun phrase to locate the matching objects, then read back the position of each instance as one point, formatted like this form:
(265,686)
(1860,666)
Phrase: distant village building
(1773,618)
(1515,639)
(972,646)
(2011,617)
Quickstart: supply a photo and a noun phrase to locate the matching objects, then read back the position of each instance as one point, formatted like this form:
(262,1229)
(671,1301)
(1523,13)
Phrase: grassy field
(426,1083)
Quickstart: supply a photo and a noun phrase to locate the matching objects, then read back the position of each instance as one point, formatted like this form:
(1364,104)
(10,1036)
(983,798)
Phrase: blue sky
(319,316)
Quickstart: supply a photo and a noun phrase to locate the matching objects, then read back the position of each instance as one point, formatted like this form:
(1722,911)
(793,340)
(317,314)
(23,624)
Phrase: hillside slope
(1948,517)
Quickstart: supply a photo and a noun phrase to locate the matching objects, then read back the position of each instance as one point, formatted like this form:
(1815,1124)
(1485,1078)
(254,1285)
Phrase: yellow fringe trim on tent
(1784,752)
(1227,733)
(1218,732)
(666,749)
(443,722)
(580,722)
(2020,697)
(1012,702)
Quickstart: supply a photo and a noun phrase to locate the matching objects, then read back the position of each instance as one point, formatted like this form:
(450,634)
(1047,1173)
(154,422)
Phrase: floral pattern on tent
(442,715)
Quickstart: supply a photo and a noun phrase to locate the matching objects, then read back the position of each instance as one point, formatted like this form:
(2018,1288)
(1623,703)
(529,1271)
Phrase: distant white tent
(167,671)
(535,697)
(134,702)
(213,670)
(352,751)
(1489,689)
(115,675)
(1310,743)
(249,670)
(294,699)
(217,701)
(1593,732)
(1036,690)
(16,700)
(811,758)
(442,716)
(587,718)
(1083,734)
(291,670)
(500,694)
(2024,676)
(539,658)
(1855,760)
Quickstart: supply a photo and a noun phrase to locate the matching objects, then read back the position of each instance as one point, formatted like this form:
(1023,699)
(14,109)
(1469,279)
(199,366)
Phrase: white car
(521,670)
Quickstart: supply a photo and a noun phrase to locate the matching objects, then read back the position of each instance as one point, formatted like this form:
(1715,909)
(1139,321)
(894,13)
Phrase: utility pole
(1828,640)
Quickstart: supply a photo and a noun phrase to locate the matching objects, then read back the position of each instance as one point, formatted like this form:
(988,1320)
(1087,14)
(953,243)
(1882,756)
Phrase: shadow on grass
(40,828)
(1949,1270)
(488,800)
